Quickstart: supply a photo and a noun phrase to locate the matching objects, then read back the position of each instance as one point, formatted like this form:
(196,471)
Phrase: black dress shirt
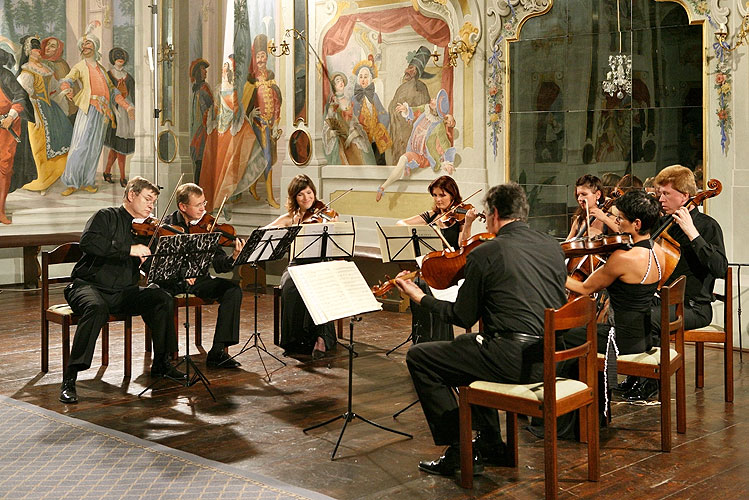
(509,281)
(106,242)
(702,259)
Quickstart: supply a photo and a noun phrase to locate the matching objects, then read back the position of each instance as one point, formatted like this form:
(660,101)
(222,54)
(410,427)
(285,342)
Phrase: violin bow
(166,209)
(327,205)
(215,219)
(454,208)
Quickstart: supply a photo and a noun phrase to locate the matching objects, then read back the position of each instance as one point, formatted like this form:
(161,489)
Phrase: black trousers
(695,316)
(437,367)
(229,296)
(94,306)
(427,326)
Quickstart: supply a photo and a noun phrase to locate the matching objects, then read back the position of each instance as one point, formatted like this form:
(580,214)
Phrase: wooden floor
(257,424)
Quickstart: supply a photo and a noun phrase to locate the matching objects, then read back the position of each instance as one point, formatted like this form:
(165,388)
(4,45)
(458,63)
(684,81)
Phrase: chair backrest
(63,254)
(727,299)
(672,295)
(579,312)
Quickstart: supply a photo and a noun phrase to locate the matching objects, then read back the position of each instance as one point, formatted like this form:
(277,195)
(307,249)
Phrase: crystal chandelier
(619,80)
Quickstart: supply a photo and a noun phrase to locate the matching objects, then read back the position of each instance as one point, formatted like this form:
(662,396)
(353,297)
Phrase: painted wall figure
(13,105)
(52,50)
(50,135)
(413,91)
(120,138)
(202,105)
(264,112)
(369,111)
(95,101)
(344,140)
(429,144)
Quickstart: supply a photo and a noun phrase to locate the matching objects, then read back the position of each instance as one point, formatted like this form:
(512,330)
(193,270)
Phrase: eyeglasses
(199,205)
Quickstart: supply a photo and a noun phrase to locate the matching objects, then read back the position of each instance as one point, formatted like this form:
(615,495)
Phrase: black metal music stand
(330,240)
(405,244)
(264,245)
(350,304)
(182,257)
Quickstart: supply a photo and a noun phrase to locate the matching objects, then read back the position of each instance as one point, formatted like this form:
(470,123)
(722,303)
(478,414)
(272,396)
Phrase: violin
(207,224)
(670,246)
(150,227)
(443,269)
(318,213)
(381,289)
(616,193)
(600,244)
(458,214)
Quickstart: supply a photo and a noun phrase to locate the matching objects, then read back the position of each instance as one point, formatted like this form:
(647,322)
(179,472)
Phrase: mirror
(300,147)
(300,62)
(166,60)
(167,146)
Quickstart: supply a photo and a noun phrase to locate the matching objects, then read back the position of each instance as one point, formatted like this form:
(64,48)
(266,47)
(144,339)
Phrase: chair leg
(65,346)
(550,455)
(147,338)
(728,366)
(128,346)
(340,328)
(512,438)
(198,326)
(594,467)
(466,446)
(699,364)
(105,345)
(665,398)
(681,401)
(45,346)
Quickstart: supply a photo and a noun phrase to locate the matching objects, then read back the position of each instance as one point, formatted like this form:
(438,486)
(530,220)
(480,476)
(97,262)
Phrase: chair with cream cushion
(548,399)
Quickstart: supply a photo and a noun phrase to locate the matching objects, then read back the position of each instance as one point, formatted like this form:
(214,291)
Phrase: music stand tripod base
(349,415)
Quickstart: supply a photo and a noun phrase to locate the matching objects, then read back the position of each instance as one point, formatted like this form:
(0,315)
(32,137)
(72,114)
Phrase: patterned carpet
(48,455)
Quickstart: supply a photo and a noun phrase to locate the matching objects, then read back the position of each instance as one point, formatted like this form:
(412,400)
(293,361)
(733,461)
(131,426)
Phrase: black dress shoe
(317,354)
(643,390)
(67,391)
(449,463)
(626,386)
(491,451)
(166,369)
(220,360)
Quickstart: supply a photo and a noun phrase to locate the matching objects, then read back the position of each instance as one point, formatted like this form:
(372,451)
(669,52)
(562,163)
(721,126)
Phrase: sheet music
(333,290)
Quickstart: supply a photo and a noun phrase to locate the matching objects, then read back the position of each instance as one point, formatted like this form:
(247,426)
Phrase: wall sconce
(454,49)
(166,53)
(285,49)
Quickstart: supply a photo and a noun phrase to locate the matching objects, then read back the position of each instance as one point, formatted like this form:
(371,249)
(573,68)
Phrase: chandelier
(619,80)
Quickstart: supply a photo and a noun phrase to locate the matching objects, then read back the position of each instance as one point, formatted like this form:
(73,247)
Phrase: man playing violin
(105,281)
(191,210)
(702,259)
(299,334)
(509,281)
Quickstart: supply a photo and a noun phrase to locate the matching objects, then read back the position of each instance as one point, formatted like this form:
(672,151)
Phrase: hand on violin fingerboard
(238,245)
(409,288)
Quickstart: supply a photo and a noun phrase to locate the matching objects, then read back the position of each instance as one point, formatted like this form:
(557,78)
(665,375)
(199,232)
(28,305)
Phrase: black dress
(427,326)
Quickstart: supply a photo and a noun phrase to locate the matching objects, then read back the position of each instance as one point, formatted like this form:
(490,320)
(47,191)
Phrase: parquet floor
(257,424)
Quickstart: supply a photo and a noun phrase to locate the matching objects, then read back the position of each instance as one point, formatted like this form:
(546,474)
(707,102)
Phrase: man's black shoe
(449,463)
(643,390)
(166,369)
(220,360)
(626,386)
(67,391)
(491,451)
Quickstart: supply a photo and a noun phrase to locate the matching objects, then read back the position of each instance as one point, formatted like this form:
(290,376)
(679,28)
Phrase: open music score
(333,290)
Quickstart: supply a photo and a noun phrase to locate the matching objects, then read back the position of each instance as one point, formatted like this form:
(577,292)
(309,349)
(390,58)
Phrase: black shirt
(509,281)
(702,260)
(105,242)
(451,233)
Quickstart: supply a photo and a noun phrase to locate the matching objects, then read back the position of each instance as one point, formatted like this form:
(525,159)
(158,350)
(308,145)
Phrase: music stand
(184,256)
(333,290)
(264,245)
(324,241)
(403,244)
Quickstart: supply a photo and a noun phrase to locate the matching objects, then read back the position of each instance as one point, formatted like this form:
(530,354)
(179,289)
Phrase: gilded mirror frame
(163,133)
(166,63)
(301,91)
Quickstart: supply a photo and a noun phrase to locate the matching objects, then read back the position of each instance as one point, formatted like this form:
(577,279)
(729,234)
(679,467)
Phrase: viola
(150,227)
(318,213)
(458,214)
(600,244)
(381,289)
(443,269)
(207,224)
(616,193)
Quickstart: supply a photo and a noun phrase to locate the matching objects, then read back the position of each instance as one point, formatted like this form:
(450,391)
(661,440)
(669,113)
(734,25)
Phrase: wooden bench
(32,245)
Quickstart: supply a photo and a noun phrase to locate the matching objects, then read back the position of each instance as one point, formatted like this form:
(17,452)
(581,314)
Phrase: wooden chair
(196,304)
(63,315)
(719,334)
(661,364)
(548,399)
(277,318)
